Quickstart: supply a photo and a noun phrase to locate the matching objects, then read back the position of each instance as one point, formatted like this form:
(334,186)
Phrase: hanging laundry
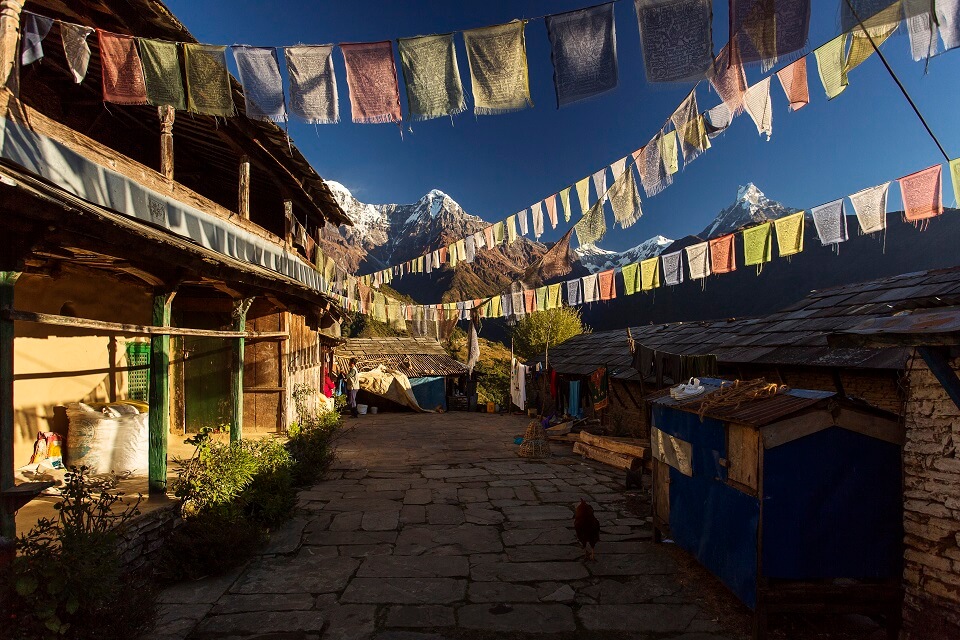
(313,85)
(591,288)
(955,178)
(35,29)
(518,384)
(262,86)
(161,73)
(76,49)
(668,152)
(618,167)
(757,245)
(878,29)
(565,201)
(558,260)
(498,68)
(676,38)
(790,230)
(948,19)
(555,296)
(793,79)
(921,27)
(631,278)
(921,194)
(767,30)
(541,298)
(598,384)
(625,200)
(832,66)
(583,195)
(537,210)
(600,184)
(728,78)
(718,119)
(592,227)
(551,204)
(831,222)
(607,284)
(522,220)
(870,205)
(574,292)
(756,101)
(120,67)
(583,49)
(208,82)
(498,233)
(653,174)
(723,256)
(372,82)
(649,274)
(530,300)
(690,127)
(431,76)
(698,260)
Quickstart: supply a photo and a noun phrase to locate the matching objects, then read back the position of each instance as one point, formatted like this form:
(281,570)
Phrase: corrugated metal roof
(757,413)
(415,357)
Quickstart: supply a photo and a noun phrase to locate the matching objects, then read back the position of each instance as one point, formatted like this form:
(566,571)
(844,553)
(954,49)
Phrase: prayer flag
(517,301)
(955,178)
(591,290)
(489,240)
(668,152)
(698,260)
(262,86)
(718,119)
(372,82)
(565,201)
(35,29)
(470,248)
(574,292)
(541,298)
(511,229)
(617,167)
(832,66)
(757,245)
(852,12)
(676,38)
(690,127)
(583,49)
(606,282)
(313,85)
(591,227)
(431,76)
(793,79)
(653,173)
(878,29)
(76,49)
(789,234)
(121,70)
(723,256)
(766,30)
(208,82)
(537,210)
(551,203)
(480,240)
(522,219)
(631,280)
(921,27)
(672,268)
(600,184)
(498,233)
(870,205)
(728,78)
(498,68)
(555,296)
(161,73)
(756,101)
(921,194)
(625,200)
(948,18)
(506,303)
(831,222)
(650,273)
(583,195)
(530,300)
(558,261)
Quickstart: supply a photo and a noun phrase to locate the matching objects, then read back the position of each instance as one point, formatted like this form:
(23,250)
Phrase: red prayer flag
(121,69)
(793,79)
(551,203)
(723,258)
(530,300)
(607,284)
(921,194)
(372,80)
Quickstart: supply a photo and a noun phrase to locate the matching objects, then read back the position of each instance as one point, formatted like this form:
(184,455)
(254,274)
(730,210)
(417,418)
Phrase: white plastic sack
(114,440)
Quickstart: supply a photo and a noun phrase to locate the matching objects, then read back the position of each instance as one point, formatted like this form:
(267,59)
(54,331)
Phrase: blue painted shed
(793,501)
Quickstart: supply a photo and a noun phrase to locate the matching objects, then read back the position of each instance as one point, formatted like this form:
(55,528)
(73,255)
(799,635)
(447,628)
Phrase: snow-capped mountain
(596,259)
(751,207)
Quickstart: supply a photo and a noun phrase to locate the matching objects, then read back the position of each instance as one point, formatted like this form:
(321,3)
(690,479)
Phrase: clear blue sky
(496,165)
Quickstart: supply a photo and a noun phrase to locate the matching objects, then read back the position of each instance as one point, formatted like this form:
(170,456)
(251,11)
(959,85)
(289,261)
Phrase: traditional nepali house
(436,379)
(148,254)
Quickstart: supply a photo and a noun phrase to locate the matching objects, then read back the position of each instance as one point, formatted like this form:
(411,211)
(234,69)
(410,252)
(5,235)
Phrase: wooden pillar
(283,356)
(239,316)
(243,204)
(167,114)
(112,374)
(8,523)
(159,393)
(288,223)
(9,44)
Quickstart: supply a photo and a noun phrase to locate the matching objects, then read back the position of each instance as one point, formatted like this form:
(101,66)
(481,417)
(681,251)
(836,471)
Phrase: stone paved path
(431,527)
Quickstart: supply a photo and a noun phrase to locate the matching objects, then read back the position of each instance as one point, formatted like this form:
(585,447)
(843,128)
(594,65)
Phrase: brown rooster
(588,529)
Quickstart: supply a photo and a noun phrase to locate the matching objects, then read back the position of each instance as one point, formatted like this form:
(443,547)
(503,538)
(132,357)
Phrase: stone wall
(144,536)
(627,415)
(931,508)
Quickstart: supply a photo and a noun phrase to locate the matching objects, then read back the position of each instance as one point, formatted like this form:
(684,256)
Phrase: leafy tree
(538,331)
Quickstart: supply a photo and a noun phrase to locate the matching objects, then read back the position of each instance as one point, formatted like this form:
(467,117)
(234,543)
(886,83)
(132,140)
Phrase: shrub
(215,474)
(311,437)
(210,543)
(270,498)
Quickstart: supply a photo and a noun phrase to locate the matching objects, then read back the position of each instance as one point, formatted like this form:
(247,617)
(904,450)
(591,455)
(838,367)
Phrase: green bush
(270,498)
(210,543)
(311,437)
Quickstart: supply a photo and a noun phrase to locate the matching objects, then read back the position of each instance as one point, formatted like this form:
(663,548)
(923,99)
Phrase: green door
(206,384)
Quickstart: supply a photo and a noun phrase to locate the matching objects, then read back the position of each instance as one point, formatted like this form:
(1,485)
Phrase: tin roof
(758,413)
(921,327)
(415,357)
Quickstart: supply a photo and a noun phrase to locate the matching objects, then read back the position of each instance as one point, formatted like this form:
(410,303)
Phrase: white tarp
(389,384)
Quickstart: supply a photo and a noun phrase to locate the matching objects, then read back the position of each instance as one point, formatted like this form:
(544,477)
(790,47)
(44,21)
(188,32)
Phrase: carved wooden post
(8,523)
(159,393)
(9,44)
(288,223)
(239,317)
(167,115)
(243,206)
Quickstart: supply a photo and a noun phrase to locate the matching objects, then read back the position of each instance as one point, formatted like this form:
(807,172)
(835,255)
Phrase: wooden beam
(939,362)
(159,416)
(167,115)
(239,323)
(8,522)
(9,41)
(243,206)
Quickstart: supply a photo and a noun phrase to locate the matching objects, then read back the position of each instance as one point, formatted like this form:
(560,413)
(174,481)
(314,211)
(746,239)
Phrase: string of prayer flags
(76,49)
(541,298)
(208,81)
(522,220)
(591,289)
(161,73)
(790,231)
(631,278)
(593,226)
(852,12)
(607,284)
(583,49)
(955,178)
(921,194)
(948,19)
(757,245)
(870,205)
(498,233)
(372,82)
(555,296)
(767,30)
(728,78)
(574,292)
(831,222)
(600,184)
(723,254)
(583,195)
(35,29)
(625,200)
(676,38)
(921,27)
(489,240)
(756,101)
(718,119)
(262,86)
(690,127)
(530,300)
(668,152)
(470,247)
(558,261)
(878,28)
(511,223)
(832,66)
(121,69)
(698,260)
(431,76)
(537,211)
(672,268)
(653,174)
(649,274)
(793,79)
(551,203)
(617,167)
(565,201)
(313,85)
(498,68)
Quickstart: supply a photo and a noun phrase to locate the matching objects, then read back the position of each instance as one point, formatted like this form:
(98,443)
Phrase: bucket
(362,409)
(491,407)
(373,411)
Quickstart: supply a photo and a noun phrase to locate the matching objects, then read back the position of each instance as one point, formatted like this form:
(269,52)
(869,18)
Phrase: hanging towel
(690,127)
(757,245)
(767,30)
(573,407)
(555,296)
(591,288)
(498,233)
(583,49)
(921,27)
(600,184)
(262,86)
(878,29)
(121,70)
(728,79)
(672,268)
(76,49)
(756,101)
(698,260)
(631,279)
(649,273)
(522,222)
(955,178)
(313,85)
(832,66)
(530,300)
(831,222)
(668,152)
(161,73)
(537,210)
(789,234)
(618,167)
(583,195)
(565,201)
(723,255)
(870,205)
(676,38)
(653,173)
(498,68)
(625,200)
(921,194)
(372,82)
(718,119)
(208,82)
(541,298)
(470,248)
(793,79)
(607,284)
(948,18)
(431,76)
(511,223)
(35,29)
(551,204)
(574,292)
(592,227)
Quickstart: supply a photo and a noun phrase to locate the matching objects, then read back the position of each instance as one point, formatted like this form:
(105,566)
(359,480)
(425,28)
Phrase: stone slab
(421,616)
(414,567)
(528,571)
(207,590)
(243,603)
(287,538)
(296,574)
(334,538)
(262,622)
(444,514)
(418,496)
(501,592)
(637,618)
(351,622)
(522,618)
(380,520)
(405,590)
(538,512)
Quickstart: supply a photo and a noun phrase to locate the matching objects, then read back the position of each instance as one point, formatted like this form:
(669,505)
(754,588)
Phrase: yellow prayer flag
(789,234)
(668,151)
(511,229)
(832,66)
(583,195)
(565,201)
(649,274)
(955,177)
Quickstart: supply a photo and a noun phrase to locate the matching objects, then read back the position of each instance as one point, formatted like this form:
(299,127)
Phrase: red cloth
(328,386)
(372,80)
(551,203)
(921,194)
(723,255)
(121,70)
(606,283)
(530,300)
(553,383)
(793,79)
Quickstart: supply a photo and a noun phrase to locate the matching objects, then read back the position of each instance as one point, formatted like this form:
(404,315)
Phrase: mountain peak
(596,259)
(749,193)
(750,207)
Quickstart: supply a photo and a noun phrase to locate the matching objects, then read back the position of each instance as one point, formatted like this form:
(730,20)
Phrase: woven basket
(534,443)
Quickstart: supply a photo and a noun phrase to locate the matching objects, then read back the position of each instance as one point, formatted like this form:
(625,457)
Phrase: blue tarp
(431,392)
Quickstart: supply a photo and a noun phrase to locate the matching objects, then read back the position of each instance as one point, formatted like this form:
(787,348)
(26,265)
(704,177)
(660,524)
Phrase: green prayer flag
(630,280)
(789,234)
(757,247)
(565,201)
(161,73)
